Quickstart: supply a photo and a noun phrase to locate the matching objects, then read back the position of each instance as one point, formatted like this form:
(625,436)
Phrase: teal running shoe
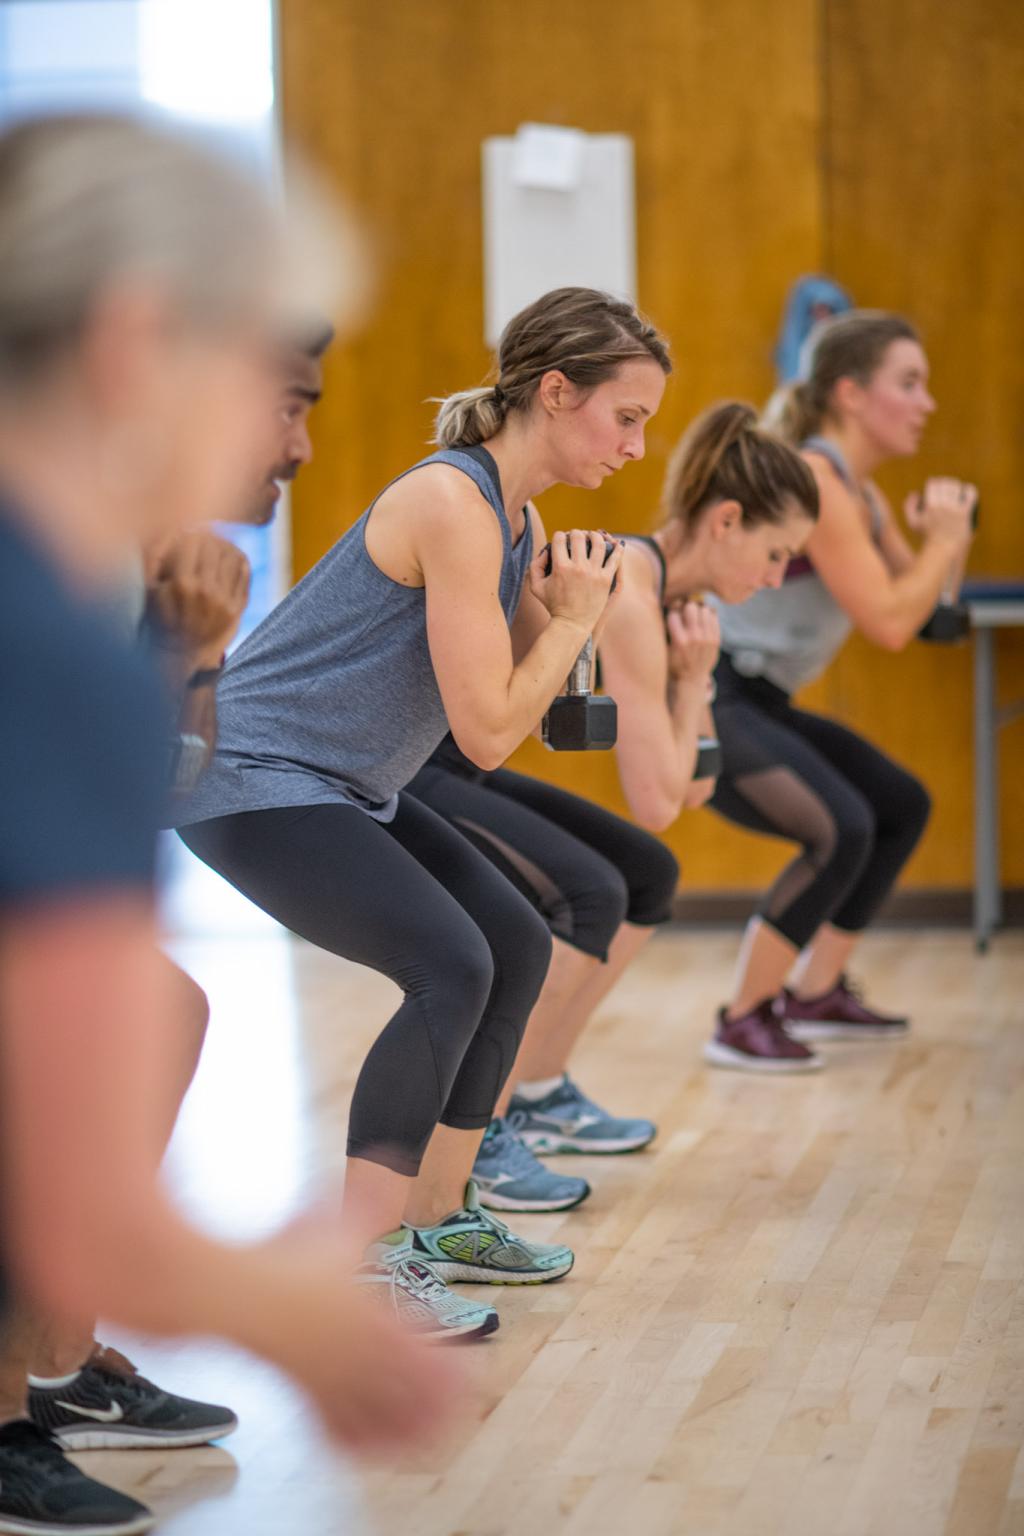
(510,1178)
(418,1296)
(471,1245)
(565,1120)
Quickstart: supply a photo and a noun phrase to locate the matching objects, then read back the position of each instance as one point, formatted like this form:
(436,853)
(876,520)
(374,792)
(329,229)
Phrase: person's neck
(522,463)
(859,452)
(52,483)
(684,564)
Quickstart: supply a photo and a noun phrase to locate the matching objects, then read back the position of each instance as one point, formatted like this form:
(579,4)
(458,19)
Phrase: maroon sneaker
(841,1014)
(757,1042)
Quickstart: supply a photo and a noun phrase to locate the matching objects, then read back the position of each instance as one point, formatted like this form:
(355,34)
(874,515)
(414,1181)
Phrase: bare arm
(197,586)
(660,701)
(441,535)
(887,606)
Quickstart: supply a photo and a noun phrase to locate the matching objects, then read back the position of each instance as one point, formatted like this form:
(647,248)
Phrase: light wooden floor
(802,1312)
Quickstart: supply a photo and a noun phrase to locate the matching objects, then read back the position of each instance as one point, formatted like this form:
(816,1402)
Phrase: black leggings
(585,870)
(805,778)
(410,898)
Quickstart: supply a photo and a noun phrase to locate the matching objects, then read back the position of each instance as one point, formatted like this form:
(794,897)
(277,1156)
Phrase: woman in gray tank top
(796,775)
(432,613)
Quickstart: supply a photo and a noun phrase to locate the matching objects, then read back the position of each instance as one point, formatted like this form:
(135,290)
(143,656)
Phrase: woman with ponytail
(738,503)
(435,611)
(795,775)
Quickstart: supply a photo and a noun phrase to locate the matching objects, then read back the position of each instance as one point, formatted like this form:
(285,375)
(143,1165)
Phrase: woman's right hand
(694,639)
(944,510)
(580,582)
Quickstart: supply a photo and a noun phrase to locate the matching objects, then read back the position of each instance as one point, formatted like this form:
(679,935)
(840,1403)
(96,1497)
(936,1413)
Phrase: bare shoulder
(641,589)
(436,511)
(437,492)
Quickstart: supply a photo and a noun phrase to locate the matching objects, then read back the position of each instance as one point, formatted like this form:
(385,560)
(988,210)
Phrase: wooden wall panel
(726,105)
(924,158)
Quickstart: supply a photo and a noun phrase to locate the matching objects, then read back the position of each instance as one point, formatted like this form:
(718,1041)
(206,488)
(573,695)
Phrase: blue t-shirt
(82,740)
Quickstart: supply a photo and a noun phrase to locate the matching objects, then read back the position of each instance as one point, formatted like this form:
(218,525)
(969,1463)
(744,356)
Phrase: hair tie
(498,395)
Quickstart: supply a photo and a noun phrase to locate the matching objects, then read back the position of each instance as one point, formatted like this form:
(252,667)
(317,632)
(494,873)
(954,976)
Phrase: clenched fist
(197,586)
(694,639)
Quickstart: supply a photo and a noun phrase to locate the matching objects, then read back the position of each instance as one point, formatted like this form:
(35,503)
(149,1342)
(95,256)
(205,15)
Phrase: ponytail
(725,456)
(792,413)
(469,417)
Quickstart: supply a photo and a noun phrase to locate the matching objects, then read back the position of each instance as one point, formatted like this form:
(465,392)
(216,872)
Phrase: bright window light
(208,59)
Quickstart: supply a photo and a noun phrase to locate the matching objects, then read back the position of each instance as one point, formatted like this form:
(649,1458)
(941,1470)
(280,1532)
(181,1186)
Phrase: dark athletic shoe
(111,1407)
(841,1014)
(758,1043)
(42,1493)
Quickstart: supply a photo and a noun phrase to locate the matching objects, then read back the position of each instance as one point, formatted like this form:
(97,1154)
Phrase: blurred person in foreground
(139,281)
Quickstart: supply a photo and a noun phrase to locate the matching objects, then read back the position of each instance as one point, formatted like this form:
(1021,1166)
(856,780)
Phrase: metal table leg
(986,791)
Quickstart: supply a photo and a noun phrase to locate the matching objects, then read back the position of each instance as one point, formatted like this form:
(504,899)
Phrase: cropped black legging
(413,899)
(584,869)
(799,776)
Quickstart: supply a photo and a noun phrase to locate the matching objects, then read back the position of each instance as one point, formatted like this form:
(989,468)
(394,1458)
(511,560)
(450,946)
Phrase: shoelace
(428,1287)
(515,1153)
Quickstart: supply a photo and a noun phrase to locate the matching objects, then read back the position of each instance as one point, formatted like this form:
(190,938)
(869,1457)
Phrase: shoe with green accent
(419,1297)
(473,1245)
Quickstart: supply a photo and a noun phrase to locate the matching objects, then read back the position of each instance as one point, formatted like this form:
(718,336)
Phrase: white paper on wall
(558,209)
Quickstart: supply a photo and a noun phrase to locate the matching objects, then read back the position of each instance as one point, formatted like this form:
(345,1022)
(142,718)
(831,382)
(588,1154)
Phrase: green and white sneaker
(420,1299)
(472,1245)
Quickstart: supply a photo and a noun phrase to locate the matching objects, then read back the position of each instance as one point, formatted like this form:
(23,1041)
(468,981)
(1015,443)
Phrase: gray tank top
(333,697)
(790,635)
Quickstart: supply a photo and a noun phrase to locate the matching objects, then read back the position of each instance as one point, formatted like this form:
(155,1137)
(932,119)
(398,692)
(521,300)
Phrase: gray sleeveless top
(790,635)
(333,697)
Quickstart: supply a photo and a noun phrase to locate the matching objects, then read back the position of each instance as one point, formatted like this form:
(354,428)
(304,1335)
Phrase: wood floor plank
(800,1313)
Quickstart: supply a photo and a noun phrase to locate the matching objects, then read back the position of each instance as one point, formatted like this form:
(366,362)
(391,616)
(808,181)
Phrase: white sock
(53,1383)
(539,1089)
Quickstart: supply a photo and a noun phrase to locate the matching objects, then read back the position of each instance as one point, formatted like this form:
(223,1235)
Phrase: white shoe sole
(127,1439)
(720,1055)
(543,1141)
(465,1333)
(10,1525)
(477,1274)
(827,1029)
(495,1201)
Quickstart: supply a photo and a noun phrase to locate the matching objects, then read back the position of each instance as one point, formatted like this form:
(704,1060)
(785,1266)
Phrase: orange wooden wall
(880,142)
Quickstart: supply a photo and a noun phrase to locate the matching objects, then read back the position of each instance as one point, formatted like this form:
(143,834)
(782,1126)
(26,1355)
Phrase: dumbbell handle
(581,678)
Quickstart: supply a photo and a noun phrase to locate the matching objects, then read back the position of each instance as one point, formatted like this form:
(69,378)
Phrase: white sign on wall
(558,210)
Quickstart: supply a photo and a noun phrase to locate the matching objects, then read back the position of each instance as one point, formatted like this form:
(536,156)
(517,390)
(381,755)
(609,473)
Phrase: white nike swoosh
(105,1415)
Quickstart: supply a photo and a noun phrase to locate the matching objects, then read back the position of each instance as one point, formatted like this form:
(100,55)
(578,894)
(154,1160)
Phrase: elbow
(487,749)
(655,815)
(890,635)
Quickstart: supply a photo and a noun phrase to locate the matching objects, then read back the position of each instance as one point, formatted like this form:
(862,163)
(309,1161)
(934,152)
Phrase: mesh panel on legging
(776,802)
(550,900)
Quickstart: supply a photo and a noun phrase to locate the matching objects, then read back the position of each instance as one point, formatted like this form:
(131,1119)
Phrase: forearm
(687,702)
(503,717)
(196,736)
(910,597)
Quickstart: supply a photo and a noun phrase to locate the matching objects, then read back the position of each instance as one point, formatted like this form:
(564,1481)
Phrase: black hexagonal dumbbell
(580,720)
(709,758)
(950,621)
